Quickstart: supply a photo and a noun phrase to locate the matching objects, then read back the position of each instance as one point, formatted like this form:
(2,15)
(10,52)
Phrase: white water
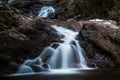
(46,11)
(65,56)
(68,55)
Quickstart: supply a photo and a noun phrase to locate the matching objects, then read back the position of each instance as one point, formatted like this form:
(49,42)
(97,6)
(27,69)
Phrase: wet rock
(47,54)
(45,66)
(27,40)
(55,45)
(36,61)
(36,68)
(41,67)
(91,64)
(73,43)
(25,69)
(73,25)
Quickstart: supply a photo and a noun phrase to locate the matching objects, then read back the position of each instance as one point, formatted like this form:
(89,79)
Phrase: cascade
(67,55)
(46,11)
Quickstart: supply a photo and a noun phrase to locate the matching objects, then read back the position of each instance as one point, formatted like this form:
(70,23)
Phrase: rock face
(101,41)
(23,42)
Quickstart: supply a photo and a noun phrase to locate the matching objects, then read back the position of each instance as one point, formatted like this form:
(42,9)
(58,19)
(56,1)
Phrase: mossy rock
(7,19)
(94,8)
(115,12)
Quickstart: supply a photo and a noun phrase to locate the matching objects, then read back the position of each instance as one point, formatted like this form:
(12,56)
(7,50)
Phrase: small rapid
(46,11)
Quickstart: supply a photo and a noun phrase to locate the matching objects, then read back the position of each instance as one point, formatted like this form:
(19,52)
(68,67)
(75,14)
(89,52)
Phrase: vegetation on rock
(105,9)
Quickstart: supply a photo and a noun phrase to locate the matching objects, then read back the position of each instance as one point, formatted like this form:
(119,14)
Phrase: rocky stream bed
(23,34)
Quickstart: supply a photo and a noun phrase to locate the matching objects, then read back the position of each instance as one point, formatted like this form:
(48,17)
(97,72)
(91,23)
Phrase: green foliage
(115,11)
(98,8)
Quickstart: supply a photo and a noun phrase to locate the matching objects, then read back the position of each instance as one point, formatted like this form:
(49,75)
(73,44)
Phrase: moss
(97,8)
(7,21)
(85,8)
(115,11)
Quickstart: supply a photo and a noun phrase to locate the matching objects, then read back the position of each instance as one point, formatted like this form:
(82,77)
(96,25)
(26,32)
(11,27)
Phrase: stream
(67,61)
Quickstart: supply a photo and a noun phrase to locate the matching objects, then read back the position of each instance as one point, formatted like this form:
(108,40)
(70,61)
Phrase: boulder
(25,69)
(41,67)
(45,66)
(27,40)
(101,41)
(36,68)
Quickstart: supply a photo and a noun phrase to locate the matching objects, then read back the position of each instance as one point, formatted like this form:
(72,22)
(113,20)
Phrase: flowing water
(46,11)
(62,60)
(67,55)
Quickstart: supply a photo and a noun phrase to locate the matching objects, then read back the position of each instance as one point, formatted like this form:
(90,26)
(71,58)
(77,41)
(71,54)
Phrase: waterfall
(66,55)
(45,11)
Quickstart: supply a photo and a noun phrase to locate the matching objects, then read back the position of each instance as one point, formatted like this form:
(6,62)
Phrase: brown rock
(21,43)
(102,36)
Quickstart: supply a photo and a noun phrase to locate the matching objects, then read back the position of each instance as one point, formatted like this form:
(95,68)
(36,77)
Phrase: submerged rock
(36,61)
(25,69)
(41,67)
(45,66)
(36,68)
